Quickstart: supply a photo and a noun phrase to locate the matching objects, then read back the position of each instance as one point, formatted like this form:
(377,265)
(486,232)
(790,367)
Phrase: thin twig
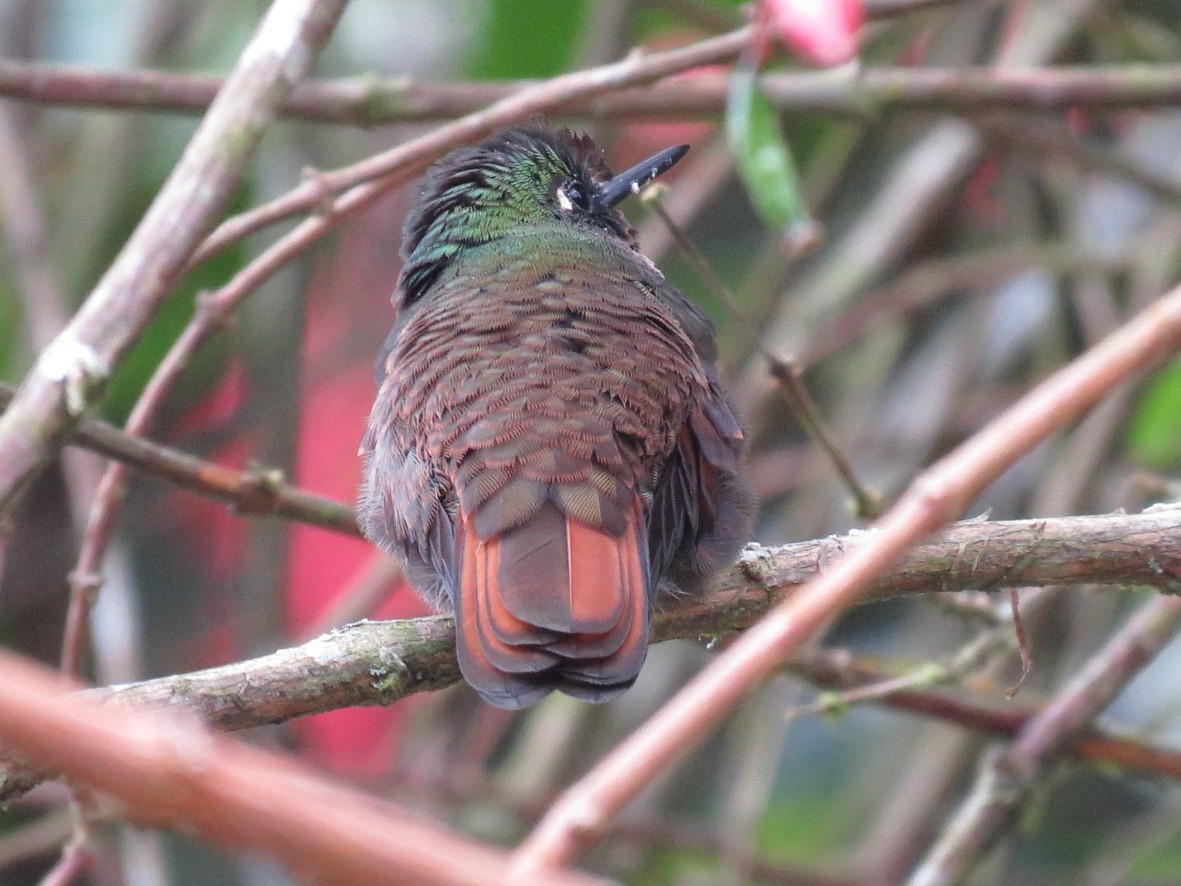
(836,669)
(924,676)
(251,492)
(653,198)
(1022,642)
(71,374)
(868,504)
(76,855)
(386,170)
(868,507)
(1007,777)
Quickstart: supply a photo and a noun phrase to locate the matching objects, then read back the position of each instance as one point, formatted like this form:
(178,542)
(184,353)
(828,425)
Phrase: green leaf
(1155,433)
(10,329)
(1160,863)
(764,159)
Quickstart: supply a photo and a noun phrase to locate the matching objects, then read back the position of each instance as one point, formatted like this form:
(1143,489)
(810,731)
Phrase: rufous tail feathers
(551,604)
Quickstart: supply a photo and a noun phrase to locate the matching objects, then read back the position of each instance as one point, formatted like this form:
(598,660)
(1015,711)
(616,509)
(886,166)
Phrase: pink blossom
(820,32)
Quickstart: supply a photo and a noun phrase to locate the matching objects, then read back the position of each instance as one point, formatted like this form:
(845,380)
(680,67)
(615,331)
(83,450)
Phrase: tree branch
(71,374)
(1006,777)
(371,101)
(370,178)
(169,773)
(937,496)
(376,663)
(836,669)
(248,492)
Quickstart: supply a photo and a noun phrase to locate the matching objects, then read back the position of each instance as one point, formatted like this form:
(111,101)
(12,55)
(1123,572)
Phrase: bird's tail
(552,604)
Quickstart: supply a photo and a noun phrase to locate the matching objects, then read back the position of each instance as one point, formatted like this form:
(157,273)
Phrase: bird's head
(517,179)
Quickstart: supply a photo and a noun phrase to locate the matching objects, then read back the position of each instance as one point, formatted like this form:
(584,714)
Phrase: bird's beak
(639,176)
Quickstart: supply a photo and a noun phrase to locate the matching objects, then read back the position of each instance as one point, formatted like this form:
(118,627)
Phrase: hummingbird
(550,439)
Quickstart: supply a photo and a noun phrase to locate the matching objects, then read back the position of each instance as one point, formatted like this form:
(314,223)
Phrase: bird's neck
(473,247)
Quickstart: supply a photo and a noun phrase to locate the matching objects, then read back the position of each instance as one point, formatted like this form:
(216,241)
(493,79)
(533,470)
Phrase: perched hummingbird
(550,437)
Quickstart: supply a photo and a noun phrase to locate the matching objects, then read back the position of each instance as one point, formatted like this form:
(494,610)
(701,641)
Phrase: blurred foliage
(763,158)
(10,331)
(1155,432)
(677,866)
(803,826)
(173,316)
(528,39)
(1160,863)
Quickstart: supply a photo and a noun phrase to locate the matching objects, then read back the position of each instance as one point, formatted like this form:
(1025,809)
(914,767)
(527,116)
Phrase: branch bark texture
(371,663)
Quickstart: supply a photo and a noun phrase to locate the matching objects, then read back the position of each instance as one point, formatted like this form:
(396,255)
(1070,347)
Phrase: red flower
(820,32)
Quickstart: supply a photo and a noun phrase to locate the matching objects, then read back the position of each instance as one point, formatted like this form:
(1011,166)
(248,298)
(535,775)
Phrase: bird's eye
(571,195)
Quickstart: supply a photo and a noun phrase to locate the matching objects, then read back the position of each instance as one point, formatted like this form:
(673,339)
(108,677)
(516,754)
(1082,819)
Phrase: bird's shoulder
(529,275)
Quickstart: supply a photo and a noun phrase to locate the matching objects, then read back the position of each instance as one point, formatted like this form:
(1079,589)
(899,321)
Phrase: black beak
(639,176)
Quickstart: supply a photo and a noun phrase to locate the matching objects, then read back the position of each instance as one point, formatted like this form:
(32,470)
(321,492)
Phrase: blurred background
(960,254)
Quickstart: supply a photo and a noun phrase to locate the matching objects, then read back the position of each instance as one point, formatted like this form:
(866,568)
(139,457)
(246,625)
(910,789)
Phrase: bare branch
(170,773)
(376,663)
(388,169)
(71,374)
(1006,777)
(370,101)
(836,669)
(248,492)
